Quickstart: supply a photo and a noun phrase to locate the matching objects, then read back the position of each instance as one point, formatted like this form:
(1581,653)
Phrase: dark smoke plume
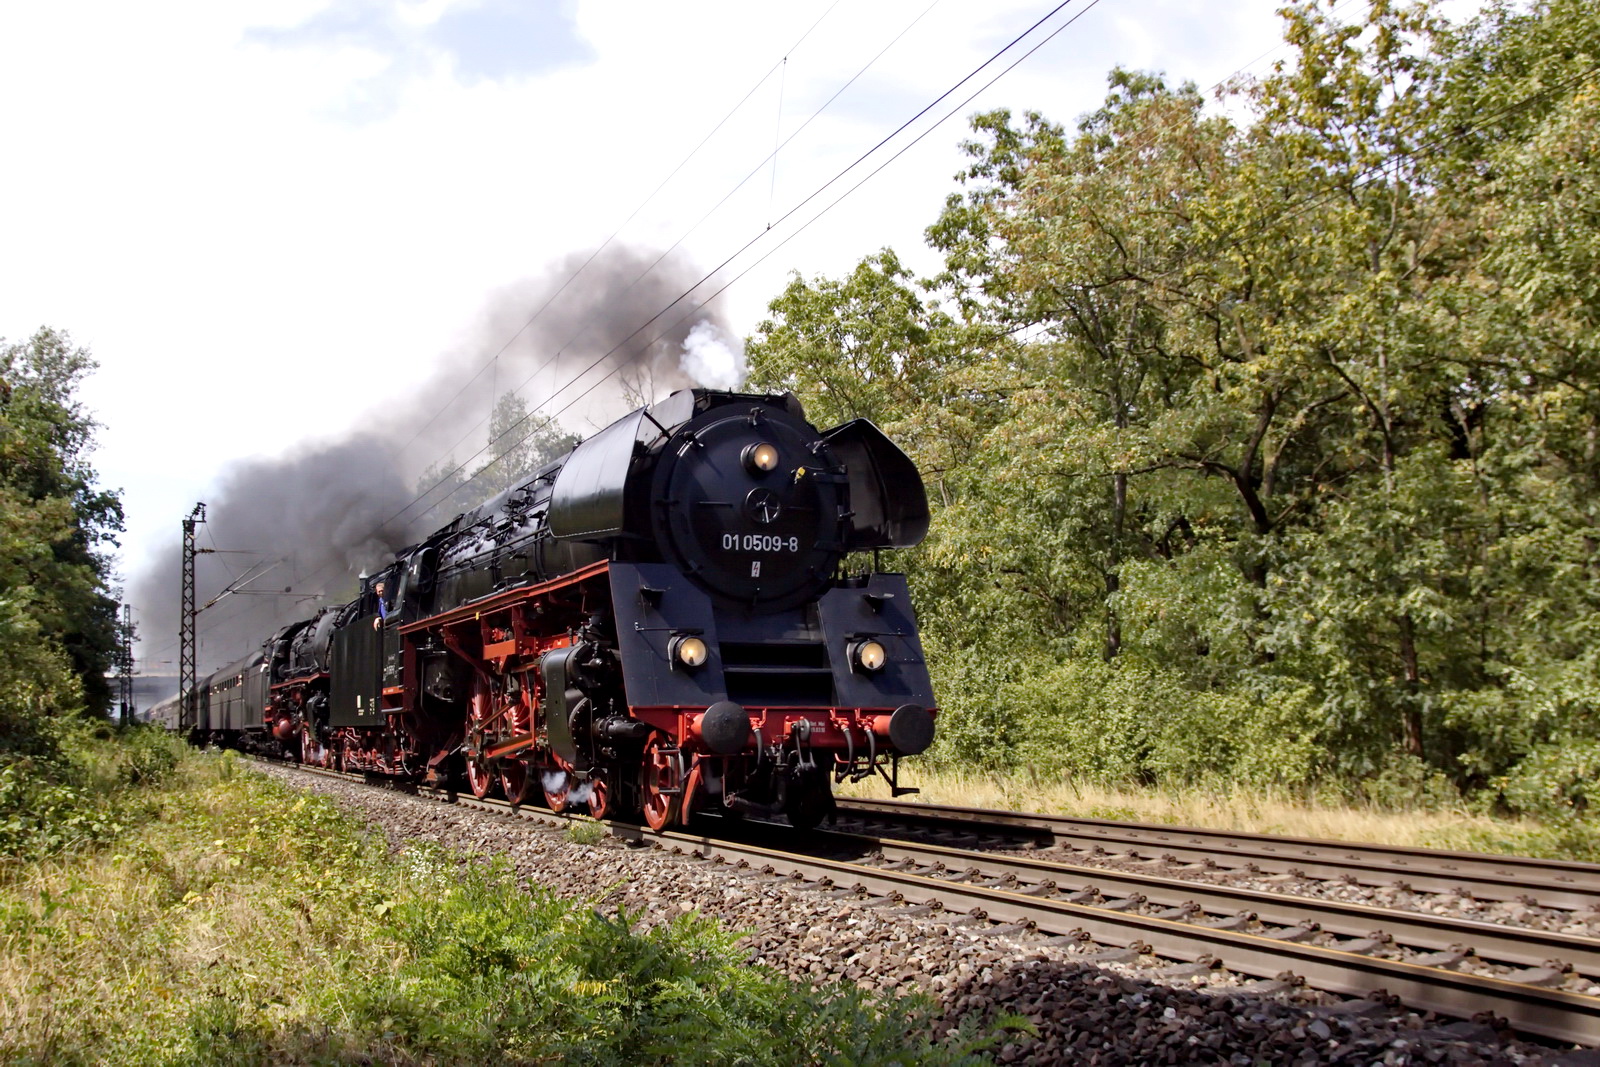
(326,509)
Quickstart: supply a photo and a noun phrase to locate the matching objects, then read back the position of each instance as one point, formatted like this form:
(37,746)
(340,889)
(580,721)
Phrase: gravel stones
(1079,1006)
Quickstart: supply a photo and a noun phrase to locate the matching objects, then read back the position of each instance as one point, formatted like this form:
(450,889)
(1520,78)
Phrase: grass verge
(1426,822)
(240,922)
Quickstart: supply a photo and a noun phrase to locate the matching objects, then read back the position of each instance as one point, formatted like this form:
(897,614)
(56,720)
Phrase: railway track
(1546,883)
(1541,983)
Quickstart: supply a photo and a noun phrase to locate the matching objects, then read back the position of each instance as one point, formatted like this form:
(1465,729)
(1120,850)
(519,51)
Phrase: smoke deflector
(887,497)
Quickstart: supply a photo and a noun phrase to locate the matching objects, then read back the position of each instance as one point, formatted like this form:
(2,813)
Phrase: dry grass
(1220,808)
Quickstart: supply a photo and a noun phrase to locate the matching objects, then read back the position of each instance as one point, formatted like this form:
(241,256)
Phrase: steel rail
(1556,883)
(1422,930)
(1519,946)
(1552,1013)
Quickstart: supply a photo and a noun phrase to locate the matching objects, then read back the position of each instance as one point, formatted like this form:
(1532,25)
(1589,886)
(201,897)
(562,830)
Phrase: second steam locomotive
(659,622)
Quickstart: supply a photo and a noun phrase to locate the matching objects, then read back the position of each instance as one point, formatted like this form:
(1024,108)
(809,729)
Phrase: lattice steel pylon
(125,665)
(188,712)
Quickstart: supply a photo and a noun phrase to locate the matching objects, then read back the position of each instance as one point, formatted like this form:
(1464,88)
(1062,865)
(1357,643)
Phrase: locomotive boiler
(682,614)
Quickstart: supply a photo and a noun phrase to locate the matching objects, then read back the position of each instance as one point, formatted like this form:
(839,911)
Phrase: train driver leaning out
(383,609)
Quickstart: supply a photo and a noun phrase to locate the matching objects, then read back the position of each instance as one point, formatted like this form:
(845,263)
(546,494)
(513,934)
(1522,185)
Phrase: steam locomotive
(660,622)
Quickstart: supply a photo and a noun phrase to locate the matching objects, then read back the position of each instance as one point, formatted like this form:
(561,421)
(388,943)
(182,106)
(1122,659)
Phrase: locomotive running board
(498,601)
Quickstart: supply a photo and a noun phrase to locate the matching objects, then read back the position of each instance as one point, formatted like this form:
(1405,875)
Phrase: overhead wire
(493,360)
(1373,172)
(1305,205)
(758,236)
(1308,204)
(594,385)
(759,166)
(623,224)
(574,379)
(444,480)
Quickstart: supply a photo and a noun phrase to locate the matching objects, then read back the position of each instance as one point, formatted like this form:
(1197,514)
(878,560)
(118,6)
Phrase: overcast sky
(267,219)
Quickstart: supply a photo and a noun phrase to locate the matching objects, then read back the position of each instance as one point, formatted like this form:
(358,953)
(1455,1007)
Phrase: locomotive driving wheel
(556,798)
(599,798)
(661,782)
(478,777)
(514,780)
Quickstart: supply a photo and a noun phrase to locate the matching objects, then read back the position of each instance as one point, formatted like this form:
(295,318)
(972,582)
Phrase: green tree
(57,623)
(1520,96)
(56,524)
(1296,408)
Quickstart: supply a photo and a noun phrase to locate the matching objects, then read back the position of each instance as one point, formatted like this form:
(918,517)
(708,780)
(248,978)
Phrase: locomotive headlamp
(689,650)
(868,655)
(761,458)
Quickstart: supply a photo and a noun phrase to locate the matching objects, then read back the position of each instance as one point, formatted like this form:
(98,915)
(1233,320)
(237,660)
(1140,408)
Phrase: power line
(797,207)
(578,377)
(444,479)
(1372,173)
(624,223)
(1363,176)
(761,234)
(933,126)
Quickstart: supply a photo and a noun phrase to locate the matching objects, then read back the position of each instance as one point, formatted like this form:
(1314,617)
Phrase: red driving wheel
(599,798)
(661,785)
(556,798)
(478,777)
(514,779)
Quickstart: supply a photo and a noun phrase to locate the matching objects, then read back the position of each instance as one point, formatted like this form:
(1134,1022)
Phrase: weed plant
(240,922)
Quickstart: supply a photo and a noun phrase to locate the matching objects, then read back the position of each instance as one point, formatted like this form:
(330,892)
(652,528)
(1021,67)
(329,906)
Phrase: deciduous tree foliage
(57,623)
(1285,415)
(56,525)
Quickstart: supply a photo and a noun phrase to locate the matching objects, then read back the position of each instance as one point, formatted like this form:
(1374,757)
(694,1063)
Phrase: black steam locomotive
(659,622)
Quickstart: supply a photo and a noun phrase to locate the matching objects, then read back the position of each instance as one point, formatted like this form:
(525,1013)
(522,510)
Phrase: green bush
(1555,782)
(1405,783)
(1125,721)
(247,923)
(79,785)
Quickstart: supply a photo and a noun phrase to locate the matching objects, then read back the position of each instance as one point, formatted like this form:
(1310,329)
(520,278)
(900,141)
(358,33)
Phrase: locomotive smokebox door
(747,508)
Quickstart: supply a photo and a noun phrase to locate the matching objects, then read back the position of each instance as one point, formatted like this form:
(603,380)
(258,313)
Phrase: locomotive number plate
(759,543)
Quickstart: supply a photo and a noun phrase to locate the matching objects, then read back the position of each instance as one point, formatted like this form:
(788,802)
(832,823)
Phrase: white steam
(577,792)
(713,359)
